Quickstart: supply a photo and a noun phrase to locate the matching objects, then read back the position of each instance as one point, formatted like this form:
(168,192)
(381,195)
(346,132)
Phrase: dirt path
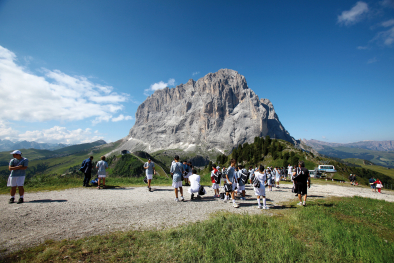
(81,212)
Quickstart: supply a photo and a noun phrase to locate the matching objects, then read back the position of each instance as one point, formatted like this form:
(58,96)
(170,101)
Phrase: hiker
(241,184)
(195,186)
(270,180)
(150,170)
(251,173)
(86,168)
(232,180)
(186,173)
(17,166)
(215,179)
(290,170)
(301,175)
(379,185)
(277,176)
(101,174)
(260,178)
(176,172)
(372,184)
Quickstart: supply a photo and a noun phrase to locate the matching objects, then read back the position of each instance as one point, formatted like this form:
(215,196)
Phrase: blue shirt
(177,170)
(150,166)
(101,165)
(15,162)
(231,173)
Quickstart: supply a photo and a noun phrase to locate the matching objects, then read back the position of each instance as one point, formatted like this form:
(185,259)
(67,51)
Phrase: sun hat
(16,152)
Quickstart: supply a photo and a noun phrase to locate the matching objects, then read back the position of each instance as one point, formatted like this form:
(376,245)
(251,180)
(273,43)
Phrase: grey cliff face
(218,111)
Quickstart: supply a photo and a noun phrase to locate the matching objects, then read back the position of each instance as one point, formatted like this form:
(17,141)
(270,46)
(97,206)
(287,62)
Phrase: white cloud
(55,134)
(60,135)
(372,60)
(354,15)
(388,3)
(196,73)
(121,117)
(388,23)
(323,137)
(53,96)
(362,47)
(385,37)
(159,85)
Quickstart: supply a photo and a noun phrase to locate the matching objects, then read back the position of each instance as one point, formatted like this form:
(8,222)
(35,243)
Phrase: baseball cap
(16,152)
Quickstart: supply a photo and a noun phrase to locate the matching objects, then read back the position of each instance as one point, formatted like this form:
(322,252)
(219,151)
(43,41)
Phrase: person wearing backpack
(177,170)
(372,184)
(232,181)
(17,166)
(302,178)
(186,174)
(241,185)
(260,178)
(215,179)
(86,168)
(101,173)
(379,185)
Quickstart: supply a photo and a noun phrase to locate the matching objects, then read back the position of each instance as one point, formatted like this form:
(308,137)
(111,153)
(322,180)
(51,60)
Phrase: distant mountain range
(7,145)
(377,152)
(385,146)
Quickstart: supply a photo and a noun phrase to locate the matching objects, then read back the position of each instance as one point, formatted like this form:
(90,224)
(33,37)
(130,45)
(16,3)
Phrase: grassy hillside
(377,157)
(377,168)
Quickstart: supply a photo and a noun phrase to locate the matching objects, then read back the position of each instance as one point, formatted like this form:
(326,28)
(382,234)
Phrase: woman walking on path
(260,179)
(176,171)
(379,185)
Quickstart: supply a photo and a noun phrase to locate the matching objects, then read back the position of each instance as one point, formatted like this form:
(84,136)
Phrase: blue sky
(76,71)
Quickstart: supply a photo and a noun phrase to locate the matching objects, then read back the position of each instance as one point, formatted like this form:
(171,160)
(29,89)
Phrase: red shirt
(214,171)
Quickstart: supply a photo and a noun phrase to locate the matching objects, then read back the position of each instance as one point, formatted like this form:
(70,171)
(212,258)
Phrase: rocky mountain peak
(218,111)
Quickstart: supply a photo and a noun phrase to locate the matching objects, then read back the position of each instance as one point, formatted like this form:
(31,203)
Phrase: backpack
(228,188)
(201,191)
(256,183)
(217,178)
(145,179)
(244,177)
(224,173)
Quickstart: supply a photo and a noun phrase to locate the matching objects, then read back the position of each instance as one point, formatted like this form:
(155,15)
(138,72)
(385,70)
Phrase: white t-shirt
(101,165)
(194,182)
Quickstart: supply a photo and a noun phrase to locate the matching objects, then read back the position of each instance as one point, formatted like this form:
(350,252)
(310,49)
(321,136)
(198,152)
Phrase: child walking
(260,179)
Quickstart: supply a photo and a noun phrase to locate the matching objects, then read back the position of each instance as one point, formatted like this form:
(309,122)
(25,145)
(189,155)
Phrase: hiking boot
(182,199)
(12,200)
(265,207)
(192,197)
(259,207)
(300,203)
(235,205)
(176,200)
(150,190)
(20,201)
(304,204)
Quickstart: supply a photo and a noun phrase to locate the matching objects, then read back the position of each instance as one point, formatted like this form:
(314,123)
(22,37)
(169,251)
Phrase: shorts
(277,179)
(186,176)
(241,187)
(215,186)
(16,181)
(177,184)
(302,189)
(102,176)
(373,186)
(259,191)
(149,176)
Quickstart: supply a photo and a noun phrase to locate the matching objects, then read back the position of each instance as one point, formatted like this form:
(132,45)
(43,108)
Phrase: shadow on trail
(47,201)
(160,190)
(317,196)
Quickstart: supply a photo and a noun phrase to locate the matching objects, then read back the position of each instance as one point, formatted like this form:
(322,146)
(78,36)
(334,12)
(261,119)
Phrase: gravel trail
(80,212)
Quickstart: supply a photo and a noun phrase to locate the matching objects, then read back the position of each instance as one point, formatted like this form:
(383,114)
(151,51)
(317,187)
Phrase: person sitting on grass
(176,172)
(215,186)
(101,166)
(195,185)
(260,179)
